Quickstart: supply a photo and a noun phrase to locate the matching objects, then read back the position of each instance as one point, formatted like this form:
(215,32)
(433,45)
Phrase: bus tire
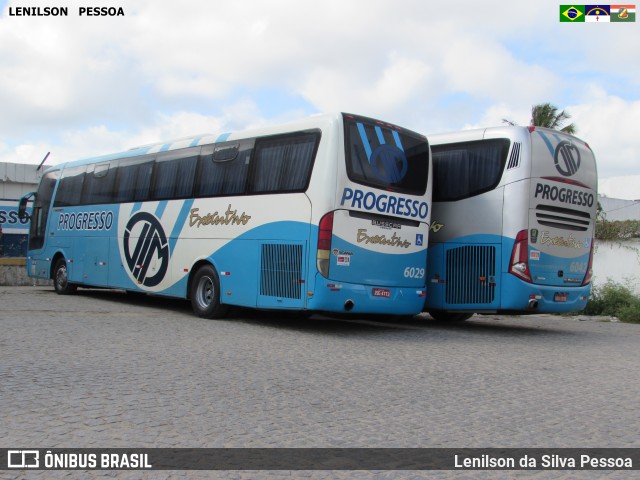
(61,278)
(204,293)
(444,316)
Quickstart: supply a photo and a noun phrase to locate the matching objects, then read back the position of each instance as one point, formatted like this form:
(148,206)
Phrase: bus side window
(70,189)
(174,174)
(133,179)
(283,164)
(467,169)
(224,168)
(99,183)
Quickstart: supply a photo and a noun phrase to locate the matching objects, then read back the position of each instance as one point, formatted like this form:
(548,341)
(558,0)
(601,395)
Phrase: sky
(81,86)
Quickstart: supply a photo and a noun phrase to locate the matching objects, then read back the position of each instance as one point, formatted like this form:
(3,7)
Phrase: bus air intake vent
(471,272)
(514,159)
(281,271)
(565,218)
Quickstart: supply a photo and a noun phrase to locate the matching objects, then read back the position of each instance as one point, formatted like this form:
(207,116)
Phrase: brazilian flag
(572,13)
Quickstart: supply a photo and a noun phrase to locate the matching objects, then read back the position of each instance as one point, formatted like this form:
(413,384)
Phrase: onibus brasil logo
(146,249)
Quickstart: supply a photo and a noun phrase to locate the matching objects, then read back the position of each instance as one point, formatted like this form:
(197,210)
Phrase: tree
(546,115)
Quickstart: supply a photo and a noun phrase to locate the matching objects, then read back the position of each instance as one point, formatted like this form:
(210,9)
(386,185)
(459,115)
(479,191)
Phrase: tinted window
(40,212)
(133,179)
(284,163)
(463,170)
(70,189)
(385,156)
(99,184)
(224,168)
(174,174)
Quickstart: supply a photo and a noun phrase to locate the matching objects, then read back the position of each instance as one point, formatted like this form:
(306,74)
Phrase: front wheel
(61,278)
(444,316)
(205,293)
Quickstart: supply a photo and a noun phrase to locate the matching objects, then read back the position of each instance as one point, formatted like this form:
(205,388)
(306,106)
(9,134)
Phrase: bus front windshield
(384,156)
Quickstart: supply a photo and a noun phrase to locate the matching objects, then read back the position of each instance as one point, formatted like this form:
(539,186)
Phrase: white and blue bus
(513,222)
(326,214)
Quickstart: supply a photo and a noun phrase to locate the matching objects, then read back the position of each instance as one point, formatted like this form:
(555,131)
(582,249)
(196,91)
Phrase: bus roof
(507,131)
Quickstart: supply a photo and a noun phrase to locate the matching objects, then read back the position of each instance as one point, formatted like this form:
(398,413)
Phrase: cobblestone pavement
(108,369)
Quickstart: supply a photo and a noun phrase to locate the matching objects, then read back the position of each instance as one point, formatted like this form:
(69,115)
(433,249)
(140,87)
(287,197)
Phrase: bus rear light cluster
(325,232)
(519,264)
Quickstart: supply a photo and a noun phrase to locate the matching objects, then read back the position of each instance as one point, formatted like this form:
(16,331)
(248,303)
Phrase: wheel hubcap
(205,293)
(61,277)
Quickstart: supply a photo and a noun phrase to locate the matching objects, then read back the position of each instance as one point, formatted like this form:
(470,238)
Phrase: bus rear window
(384,156)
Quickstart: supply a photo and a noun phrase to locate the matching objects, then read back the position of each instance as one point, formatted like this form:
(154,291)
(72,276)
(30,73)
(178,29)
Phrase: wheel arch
(194,268)
(57,256)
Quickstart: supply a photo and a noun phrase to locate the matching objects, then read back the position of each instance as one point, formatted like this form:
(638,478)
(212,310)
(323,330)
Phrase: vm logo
(146,249)
(567,159)
(389,163)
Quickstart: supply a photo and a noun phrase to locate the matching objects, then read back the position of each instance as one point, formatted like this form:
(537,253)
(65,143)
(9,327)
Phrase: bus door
(562,210)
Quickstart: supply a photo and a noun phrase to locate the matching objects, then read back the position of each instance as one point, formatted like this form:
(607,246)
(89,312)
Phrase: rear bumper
(518,295)
(345,297)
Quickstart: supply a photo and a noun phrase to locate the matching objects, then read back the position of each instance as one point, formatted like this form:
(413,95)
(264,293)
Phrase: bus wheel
(61,279)
(444,316)
(205,293)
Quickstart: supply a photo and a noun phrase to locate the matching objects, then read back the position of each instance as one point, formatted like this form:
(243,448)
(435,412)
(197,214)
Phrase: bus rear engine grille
(564,218)
(471,274)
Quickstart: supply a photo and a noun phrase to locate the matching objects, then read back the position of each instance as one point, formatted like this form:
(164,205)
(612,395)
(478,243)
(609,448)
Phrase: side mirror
(22,206)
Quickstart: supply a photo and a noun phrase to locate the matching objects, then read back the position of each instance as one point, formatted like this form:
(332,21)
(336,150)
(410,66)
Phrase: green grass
(616,300)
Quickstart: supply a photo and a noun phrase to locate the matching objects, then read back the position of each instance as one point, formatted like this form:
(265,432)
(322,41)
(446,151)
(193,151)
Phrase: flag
(572,13)
(596,13)
(623,13)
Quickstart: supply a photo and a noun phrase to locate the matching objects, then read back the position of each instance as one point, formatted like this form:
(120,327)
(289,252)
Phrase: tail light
(325,232)
(519,264)
(587,277)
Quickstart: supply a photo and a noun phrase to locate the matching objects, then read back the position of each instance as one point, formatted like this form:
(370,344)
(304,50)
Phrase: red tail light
(587,277)
(519,264)
(325,232)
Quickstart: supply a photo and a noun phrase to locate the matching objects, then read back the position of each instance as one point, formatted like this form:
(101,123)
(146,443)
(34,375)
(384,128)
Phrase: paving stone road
(106,369)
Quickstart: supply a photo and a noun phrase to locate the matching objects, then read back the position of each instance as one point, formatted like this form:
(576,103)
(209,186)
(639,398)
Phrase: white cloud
(610,125)
(87,86)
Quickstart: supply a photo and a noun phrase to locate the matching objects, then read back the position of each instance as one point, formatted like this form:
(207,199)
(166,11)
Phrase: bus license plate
(382,292)
(560,297)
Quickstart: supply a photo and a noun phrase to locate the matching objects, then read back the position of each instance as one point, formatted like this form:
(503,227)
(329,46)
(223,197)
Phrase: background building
(16,180)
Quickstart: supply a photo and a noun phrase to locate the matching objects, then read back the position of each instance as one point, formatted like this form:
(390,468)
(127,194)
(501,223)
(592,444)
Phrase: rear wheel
(205,293)
(444,316)
(61,278)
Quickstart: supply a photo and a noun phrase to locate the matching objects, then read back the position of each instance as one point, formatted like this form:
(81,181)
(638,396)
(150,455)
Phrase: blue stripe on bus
(195,141)
(380,135)
(547,143)
(160,209)
(223,137)
(136,206)
(365,140)
(397,139)
(165,147)
(180,222)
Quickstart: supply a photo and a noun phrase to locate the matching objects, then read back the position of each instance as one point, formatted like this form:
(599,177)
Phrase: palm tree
(546,115)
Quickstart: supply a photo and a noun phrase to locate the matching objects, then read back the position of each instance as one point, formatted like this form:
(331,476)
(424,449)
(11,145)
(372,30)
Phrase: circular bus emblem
(567,159)
(389,163)
(145,245)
